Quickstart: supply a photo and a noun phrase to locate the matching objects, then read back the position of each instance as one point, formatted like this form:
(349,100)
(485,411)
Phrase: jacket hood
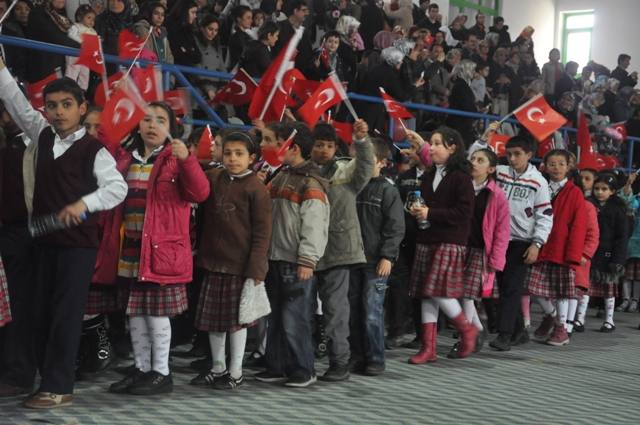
(308,168)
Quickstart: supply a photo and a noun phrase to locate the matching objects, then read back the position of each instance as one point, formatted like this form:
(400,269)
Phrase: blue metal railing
(179,72)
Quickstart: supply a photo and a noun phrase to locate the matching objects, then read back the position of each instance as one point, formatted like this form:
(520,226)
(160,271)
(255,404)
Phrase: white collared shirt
(112,189)
(556,187)
(440,172)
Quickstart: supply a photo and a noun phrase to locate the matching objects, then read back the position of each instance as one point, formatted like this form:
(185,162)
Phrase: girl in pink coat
(488,240)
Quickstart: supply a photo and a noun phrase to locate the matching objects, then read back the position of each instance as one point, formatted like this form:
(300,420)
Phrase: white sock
(450,306)
(562,307)
(429,310)
(238,342)
(160,330)
(262,335)
(217,342)
(546,305)
(571,314)
(609,304)
(636,290)
(141,342)
(583,305)
(626,289)
(471,313)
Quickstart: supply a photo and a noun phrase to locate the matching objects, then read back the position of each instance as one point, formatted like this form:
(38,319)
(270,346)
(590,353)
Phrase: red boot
(468,335)
(427,352)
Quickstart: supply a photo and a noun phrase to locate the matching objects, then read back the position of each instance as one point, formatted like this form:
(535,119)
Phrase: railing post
(198,98)
(630,143)
(166,80)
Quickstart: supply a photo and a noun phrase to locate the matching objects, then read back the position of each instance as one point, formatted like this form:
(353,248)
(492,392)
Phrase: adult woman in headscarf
(463,99)
(109,23)
(181,25)
(47,23)
(373,20)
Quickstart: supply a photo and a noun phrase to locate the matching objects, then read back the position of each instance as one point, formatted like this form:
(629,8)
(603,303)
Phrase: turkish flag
(303,89)
(204,145)
(238,91)
(121,114)
(271,89)
(545,146)
(539,118)
(588,157)
(325,96)
(178,100)
(149,83)
(34,90)
(498,143)
(99,97)
(394,108)
(275,156)
(619,130)
(91,54)
(129,45)
(344,130)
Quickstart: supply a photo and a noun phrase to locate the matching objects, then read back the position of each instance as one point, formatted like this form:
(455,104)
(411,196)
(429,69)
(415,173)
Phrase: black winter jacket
(381,216)
(614,234)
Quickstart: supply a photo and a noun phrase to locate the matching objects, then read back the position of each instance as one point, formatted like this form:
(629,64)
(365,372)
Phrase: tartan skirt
(5,308)
(473,267)
(102,299)
(550,280)
(219,303)
(150,299)
(438,271)
(603,289)
(632,269)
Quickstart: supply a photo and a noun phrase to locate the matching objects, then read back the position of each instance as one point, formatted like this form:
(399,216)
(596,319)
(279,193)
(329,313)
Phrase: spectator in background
(482,57)
(524,42)
(470,46)
(567,82)
(373,21)
(158,42)
(258,55)
(85,18)
(208,43)
(622,109)
(504,38)
(479,29)
(297,12)
(15,57)
(20,13)
(400,12)
(109,23)
(551,73)
(585,82)
(48,23)
(462,98)
(438,77)
(241,37)
(420,11)
(528,70)
(433,20)
(181,26)
(621,74)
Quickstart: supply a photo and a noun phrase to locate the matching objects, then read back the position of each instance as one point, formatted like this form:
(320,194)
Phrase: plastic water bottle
(415,199)
(46,224)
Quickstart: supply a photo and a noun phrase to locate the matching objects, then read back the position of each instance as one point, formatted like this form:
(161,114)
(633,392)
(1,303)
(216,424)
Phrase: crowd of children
(145,232)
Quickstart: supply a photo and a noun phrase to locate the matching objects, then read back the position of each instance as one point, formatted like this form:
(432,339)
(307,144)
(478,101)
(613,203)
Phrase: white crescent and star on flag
(123,106)
(535,114)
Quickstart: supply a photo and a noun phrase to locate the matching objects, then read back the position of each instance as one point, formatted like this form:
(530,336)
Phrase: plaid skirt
(150,299)
(219,303)
(552,281)
(603,289)
(473,267)
(5,308)
(632,269)
(102,299)
(438,271)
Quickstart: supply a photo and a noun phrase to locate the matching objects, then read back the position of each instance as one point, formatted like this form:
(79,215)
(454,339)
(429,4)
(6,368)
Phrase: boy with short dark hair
(300,212)
(68,173)
(531,221)
(381,216)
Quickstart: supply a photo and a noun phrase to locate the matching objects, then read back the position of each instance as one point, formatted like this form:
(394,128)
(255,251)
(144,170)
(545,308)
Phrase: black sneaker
(336,373)
(374,369)
(357,366)
(270,377)
(414,344)
(520,337)
(227,382)
(206,378)
(301,381)
(202,365)
(501,343)
(255,360)
(578,326)
(454,353)
(122,386)
(125,370)
(151,384)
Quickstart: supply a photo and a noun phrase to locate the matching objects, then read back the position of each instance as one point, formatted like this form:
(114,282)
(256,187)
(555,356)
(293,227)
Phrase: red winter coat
(565,245)
(590,246)
(165,255)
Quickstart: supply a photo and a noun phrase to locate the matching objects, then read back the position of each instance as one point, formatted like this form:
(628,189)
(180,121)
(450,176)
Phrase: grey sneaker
(336,373)
(301,381)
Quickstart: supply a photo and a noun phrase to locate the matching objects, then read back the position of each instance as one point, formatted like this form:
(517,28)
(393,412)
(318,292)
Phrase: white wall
(537,13)
(615,29)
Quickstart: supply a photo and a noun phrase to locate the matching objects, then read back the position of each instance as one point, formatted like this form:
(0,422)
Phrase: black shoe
(501,343)
(122,386)
(202,365)
(357,366)
(125,370)
(97,352)
(480,340)
(607,328)
(454,353)
(578,326)
(228,382)
(414,345)
(206,378)
(336,373)
(151,384)
(374,369)
(521,337)
(255,360)
(270,377)
(393,342)
(301,381)
(8,390)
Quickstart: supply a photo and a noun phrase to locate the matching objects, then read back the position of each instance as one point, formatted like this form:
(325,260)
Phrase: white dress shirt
(112,189)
